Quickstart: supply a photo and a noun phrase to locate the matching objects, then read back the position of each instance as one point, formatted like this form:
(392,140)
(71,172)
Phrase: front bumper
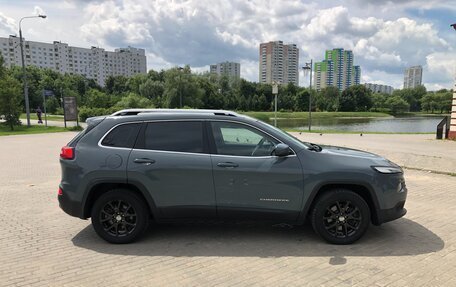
(385,215)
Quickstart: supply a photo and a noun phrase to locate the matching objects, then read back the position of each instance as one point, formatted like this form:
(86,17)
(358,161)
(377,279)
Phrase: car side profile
(142,165)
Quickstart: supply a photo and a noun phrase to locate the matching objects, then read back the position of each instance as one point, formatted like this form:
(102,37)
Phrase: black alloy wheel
(120,216)
(340,216)
(342,219)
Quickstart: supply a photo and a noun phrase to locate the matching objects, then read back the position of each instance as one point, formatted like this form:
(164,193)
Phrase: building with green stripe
(337,70)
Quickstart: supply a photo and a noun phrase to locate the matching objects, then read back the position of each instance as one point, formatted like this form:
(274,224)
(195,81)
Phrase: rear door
(171,160)
(249,181)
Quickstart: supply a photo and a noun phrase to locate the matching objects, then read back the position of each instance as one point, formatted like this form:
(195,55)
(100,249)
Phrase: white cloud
(7,25)
(37,10)
(441,69)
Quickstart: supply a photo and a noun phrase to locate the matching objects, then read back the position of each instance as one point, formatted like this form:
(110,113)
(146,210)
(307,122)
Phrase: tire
(120,216)
(340,216)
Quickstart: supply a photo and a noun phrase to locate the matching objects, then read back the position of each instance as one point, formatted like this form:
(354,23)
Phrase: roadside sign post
(70,110)
(275,91)
(46,93)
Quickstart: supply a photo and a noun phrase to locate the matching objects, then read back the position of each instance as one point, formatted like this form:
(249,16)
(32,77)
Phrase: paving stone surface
(42,246)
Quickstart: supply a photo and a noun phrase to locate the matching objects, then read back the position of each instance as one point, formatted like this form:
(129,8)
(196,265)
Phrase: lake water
(414,124)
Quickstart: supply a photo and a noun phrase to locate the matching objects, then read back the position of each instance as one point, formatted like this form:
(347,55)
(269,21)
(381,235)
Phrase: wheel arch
(362,189)
(99,188)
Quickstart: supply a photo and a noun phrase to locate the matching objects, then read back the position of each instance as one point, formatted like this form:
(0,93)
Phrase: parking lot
(41,245)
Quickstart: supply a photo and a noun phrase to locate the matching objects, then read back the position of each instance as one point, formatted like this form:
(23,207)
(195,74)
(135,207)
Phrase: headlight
(387,169)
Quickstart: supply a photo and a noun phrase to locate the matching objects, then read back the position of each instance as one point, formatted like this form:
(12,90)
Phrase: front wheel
(340,216)
(120,216)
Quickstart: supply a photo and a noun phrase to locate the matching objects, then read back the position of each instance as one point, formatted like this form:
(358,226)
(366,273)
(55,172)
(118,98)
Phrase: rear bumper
(70,207)
(385,215)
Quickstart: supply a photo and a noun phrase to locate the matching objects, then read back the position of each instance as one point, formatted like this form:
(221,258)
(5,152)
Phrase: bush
(58,111)
(75,128)
(10,100)
(52,104)
(132,100)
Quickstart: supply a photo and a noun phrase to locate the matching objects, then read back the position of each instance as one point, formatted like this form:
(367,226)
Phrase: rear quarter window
(122,136)
(179,136)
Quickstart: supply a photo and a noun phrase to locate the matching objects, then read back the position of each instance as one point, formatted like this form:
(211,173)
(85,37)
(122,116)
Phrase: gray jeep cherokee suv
(135,166)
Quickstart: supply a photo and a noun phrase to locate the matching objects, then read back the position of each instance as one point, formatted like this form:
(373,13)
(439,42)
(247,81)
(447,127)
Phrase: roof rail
(134,112)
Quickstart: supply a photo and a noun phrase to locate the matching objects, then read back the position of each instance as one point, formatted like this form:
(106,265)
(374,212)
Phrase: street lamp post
(275,91)
(308,67)
(180,69)
(21,41)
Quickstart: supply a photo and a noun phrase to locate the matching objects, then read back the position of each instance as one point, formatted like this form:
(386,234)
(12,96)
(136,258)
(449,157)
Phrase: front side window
(176,136)
(241,140)
(122,136)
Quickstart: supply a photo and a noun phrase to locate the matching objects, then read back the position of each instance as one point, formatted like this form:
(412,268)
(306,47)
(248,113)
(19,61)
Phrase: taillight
(60,192)
(67,152)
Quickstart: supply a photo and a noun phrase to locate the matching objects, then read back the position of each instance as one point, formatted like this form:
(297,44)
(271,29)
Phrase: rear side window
(177,136)
(122,136)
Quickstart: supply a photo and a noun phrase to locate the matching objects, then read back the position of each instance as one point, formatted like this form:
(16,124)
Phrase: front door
(249,182)
(171,160)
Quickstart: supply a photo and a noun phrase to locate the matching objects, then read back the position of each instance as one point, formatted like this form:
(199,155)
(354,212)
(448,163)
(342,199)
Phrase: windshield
(285,134)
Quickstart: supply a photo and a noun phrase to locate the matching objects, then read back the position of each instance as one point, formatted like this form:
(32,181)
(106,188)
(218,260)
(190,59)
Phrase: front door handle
(146,161)
(227,164)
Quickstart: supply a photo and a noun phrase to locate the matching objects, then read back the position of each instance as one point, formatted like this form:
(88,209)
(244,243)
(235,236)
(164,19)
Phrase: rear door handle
(227,164)
(146,161)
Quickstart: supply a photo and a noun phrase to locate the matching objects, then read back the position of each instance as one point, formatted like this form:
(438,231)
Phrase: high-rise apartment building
(226,68)
(94,63)
(336,70)
(413,77)
(376,88)
(279,63)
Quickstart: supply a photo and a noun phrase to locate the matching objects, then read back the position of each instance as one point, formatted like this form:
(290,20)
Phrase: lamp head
(453,25)
(42,16)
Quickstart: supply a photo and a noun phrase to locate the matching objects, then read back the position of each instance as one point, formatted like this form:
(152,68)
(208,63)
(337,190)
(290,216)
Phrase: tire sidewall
(340,195)
(142,215)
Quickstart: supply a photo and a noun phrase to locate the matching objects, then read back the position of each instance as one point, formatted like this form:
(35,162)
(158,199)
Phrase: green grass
(23,130)
(315,115)
(49,117)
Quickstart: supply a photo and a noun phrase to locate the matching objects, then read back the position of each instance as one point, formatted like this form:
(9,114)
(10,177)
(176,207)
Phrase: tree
(134,83)
(328,99)
(397,105)
(10,100)
(444,100)
(116,85)
(132,100)
(153,90)
(97,99)
(287,95)
(412,97)
(212,98)
(428,102)
(440,100)
(378,102)
(182,83)
(301,102)
(356,99)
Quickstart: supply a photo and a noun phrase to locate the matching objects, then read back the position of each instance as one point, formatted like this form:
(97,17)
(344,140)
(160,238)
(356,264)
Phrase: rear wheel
(340,216)
(120,216)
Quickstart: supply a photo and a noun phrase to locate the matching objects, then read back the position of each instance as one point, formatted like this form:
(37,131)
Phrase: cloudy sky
(385,36)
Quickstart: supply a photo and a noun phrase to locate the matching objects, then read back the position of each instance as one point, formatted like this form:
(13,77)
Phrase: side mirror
(281,150)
